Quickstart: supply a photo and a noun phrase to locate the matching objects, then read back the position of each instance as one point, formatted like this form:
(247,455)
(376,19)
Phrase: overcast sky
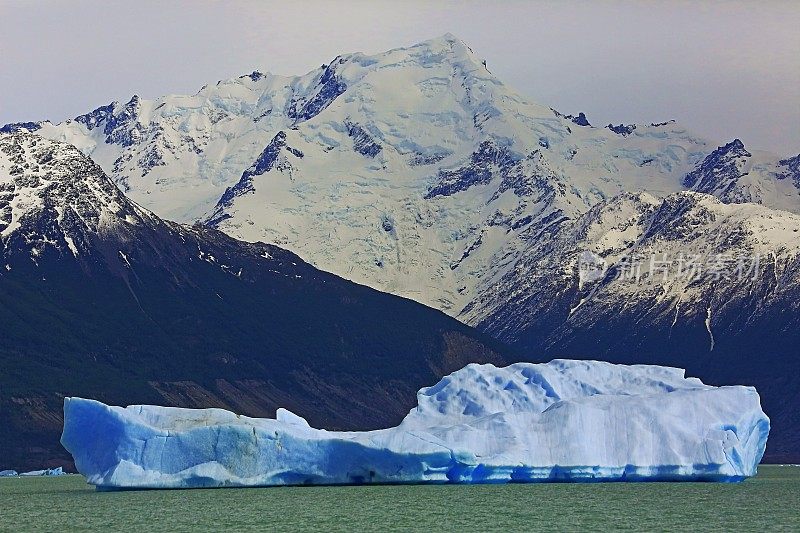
(723,69)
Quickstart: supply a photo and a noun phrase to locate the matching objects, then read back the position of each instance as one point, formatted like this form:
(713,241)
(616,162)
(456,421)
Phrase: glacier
(559,421)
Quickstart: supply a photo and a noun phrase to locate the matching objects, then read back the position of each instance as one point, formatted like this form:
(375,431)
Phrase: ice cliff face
(561,421)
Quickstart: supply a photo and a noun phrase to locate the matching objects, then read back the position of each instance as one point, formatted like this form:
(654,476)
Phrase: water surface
(770,501)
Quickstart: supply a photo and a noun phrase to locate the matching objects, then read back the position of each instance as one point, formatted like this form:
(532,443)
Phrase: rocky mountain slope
(101,298)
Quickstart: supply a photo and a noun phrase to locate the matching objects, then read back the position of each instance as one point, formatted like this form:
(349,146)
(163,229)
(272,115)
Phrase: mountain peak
(720,170)
(446,48)
(39,159)
(15,127)
(449,37)
(445,41)
(52,195)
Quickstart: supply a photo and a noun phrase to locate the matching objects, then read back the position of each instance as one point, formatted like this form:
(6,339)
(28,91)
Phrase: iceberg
(59,471)
(560,421)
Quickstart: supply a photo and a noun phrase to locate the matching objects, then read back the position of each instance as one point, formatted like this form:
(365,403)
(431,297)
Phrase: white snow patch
(708,327)
(71,244)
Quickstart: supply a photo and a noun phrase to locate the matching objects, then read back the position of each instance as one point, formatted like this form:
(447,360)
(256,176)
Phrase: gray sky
(724,69)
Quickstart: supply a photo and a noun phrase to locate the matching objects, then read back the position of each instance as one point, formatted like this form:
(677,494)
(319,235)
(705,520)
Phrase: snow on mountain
(52,195)
(415,171)
(735,175)
(685,253)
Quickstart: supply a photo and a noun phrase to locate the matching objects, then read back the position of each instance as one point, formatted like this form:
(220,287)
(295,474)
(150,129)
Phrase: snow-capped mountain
(99,297)
(685,256)
(415,171)
(54,199)
(735,175)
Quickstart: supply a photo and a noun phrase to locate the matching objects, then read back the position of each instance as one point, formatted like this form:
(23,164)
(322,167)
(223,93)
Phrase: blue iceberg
(559,421)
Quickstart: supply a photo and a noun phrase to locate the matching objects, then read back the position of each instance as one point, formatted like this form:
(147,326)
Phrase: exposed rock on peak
(720,171)
(16,127)
(622,129)
(789,169)
(580,120)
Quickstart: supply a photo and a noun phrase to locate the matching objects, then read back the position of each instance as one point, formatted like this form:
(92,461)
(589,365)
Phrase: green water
(771,501)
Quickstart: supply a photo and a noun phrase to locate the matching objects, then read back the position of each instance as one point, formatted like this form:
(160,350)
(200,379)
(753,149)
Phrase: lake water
(770,501)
